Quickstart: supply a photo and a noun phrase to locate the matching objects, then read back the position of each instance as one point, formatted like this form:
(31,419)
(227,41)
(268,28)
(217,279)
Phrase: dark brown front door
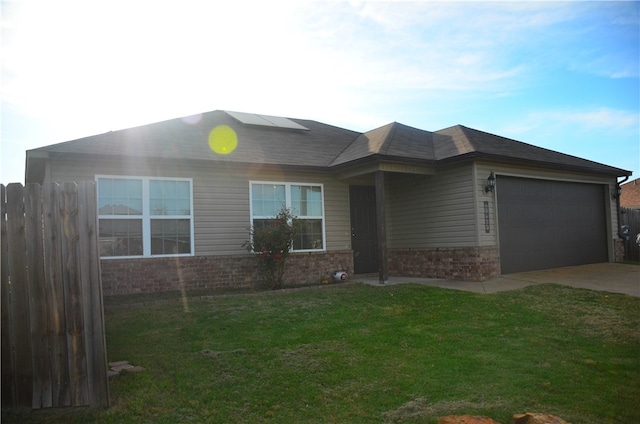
(364,240)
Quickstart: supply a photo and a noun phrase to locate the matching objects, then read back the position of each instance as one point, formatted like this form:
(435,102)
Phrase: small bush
(272,242)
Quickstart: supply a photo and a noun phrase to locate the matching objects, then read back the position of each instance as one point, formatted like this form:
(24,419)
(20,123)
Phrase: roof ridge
(386,144)
(347,146)
(465,132)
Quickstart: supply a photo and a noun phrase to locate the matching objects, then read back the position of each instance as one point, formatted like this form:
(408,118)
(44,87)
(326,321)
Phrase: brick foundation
(460,263)
(618,250)
(150,275)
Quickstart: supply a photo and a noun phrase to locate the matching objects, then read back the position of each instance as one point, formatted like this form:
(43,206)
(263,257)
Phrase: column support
(383,269)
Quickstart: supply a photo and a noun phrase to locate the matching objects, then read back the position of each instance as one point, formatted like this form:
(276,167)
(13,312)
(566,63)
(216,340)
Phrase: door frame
(381,229)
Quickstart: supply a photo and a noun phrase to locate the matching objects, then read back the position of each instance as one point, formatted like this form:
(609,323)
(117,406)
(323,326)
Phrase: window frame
(146,216)
(287,193)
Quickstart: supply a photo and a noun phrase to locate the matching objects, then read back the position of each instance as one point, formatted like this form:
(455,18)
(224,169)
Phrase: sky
(559,75)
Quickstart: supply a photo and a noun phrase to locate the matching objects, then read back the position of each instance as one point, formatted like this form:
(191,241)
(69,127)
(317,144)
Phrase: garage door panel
(561,213)
(546,213)
(531,213)
(548,224)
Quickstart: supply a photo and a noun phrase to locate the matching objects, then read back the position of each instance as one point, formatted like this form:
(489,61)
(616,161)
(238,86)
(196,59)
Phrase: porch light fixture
(617,192)
(491,183)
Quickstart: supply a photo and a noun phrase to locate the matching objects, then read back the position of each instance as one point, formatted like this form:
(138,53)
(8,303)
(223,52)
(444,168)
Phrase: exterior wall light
(491,183)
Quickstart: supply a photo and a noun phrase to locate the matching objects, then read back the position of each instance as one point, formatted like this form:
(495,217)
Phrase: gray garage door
(549,224)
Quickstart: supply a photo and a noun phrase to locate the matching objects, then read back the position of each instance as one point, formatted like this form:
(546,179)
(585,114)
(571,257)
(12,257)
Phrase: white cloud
(118,59)
(581,120)
(602,118)
(79,68)
(604,135)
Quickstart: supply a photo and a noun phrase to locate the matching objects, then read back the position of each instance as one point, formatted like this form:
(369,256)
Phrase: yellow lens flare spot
(223,140)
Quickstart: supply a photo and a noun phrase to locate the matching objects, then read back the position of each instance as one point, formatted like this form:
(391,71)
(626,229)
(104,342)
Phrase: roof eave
(610,171)
(166,160)
(379,162)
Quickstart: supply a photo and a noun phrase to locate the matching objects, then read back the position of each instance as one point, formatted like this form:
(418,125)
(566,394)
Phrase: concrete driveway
(610,277)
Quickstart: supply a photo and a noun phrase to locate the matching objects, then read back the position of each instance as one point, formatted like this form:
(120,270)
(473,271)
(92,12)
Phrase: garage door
(549,224)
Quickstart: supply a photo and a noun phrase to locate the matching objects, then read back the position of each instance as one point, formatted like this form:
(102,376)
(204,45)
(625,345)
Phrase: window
(144,216)
(305,202)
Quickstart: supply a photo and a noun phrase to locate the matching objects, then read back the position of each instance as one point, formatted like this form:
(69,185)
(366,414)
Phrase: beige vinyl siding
(85,169)
(221,197)
(483,169)
(431,211)
(221,206)
(337,215)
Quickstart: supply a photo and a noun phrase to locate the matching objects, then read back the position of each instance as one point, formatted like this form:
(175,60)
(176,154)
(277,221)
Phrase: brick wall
(315,266)
(462,263)
(630,197)
(149,275)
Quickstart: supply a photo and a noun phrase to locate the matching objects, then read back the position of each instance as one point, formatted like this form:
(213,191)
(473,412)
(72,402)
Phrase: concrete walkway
(610,277)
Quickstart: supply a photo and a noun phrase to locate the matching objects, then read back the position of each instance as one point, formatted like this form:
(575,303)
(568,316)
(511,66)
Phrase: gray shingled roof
(459,141)
(323,146)
(178,139)
(390,141)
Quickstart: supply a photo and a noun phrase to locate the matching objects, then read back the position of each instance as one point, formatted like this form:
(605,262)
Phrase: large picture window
(306,203)
(144,216)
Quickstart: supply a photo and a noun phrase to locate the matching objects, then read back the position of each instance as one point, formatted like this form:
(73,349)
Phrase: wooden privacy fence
(53,341)
(631,217)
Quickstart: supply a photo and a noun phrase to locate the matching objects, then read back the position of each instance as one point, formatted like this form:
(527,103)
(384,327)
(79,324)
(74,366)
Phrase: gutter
(597,169)
(618,183)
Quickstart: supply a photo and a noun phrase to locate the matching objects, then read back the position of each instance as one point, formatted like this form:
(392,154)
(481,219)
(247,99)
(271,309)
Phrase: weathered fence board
(19,321)
(8,376)
(41,397)
(92,290)
(73,296)
(55,295)
(53,331)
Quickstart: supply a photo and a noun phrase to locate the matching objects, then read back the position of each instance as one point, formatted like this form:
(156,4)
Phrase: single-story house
(176,200)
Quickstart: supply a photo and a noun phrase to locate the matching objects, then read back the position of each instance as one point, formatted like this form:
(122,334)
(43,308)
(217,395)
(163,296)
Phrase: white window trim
(146,216)
(287,195)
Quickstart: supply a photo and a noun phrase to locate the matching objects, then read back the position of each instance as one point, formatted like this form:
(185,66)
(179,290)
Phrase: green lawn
(361,354)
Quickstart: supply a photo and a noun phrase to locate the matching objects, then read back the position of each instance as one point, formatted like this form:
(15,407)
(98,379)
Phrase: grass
(361,354)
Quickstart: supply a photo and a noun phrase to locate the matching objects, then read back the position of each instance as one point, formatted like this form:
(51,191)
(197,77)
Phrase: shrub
(272,241)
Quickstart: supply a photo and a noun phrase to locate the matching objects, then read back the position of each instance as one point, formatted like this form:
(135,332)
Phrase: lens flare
(223,140)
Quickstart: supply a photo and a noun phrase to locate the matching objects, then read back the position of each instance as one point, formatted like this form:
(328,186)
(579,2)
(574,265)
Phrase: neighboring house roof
(630,196)
(318,145)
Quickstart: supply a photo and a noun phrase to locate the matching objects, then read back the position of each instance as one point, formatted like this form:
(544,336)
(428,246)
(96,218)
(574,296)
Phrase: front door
(364,239)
